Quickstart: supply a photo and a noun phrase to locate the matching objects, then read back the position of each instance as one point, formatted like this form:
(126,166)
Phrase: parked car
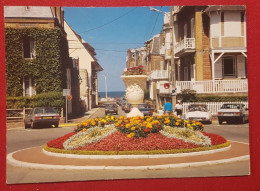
(127,107)
(42,116)
(111,108)
(235,112)
(198,112)
(146,109)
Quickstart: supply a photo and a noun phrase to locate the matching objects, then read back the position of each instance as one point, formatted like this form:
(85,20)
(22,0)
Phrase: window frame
(234,75)
(31,48)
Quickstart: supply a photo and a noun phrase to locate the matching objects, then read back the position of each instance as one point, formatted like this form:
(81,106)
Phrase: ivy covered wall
(48,69)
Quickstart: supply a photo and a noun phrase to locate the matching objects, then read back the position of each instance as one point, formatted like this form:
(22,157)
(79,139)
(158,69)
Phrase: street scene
(16,140)
(100,94)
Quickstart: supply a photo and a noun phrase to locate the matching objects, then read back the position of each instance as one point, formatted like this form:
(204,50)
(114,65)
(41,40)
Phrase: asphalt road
(20,138)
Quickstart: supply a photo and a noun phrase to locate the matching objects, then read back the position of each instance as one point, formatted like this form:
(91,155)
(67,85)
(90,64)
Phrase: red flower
(146,130)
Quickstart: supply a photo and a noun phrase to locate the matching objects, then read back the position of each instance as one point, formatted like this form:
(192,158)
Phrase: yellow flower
(130,135)
(132,128)
(127,125)
(149,125)
(117,124)
(177,123)
(93,123)
(84,129)
(188,125)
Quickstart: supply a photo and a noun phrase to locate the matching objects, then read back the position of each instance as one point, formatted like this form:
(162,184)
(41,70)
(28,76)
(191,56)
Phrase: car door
(246,112)
(28,117)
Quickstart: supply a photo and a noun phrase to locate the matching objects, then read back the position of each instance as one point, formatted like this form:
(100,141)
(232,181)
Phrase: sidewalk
(77,120)
(71,122)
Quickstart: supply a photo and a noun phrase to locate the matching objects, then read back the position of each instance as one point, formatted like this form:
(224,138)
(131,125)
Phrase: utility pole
(172,55)
(105,77)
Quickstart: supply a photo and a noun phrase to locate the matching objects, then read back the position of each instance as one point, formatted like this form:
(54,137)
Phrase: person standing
(179,108)
(168,108)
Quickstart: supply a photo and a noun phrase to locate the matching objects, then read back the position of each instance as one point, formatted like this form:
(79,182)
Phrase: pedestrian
(160,111)
(179,109)
(168,108)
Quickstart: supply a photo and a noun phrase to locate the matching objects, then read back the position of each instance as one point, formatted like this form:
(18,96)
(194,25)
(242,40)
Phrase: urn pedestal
(135,86)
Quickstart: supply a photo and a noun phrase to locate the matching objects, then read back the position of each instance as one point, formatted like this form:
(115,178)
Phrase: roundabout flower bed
(136,135)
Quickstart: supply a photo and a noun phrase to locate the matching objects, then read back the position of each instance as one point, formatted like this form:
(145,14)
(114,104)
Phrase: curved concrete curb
(135,156)
(38,164)
(14,162)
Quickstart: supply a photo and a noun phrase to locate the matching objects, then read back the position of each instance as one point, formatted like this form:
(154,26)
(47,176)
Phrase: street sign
(69,97)
(173,91)
(66,92)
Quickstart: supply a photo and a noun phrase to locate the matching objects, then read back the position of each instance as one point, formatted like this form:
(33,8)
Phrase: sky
(111,31)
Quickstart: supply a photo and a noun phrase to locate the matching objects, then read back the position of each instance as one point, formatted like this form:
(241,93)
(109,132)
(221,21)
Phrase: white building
(87,65)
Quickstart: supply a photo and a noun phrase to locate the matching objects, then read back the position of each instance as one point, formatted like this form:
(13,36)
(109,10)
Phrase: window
(192,27)
(28,47)
(28,86)
(228,67)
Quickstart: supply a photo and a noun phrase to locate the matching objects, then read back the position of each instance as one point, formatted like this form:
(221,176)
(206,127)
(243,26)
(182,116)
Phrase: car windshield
(111,105)
(198,108)
(231,106)
(44,110)
(144,106)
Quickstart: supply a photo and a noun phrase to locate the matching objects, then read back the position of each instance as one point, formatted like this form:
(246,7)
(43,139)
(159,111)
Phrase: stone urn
(135,86)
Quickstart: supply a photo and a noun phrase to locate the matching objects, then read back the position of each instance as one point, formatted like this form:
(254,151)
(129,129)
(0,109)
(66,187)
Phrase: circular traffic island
(151,135)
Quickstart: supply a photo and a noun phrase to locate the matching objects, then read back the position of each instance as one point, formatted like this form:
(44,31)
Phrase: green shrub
(214,98)
(188,95)
(52,99)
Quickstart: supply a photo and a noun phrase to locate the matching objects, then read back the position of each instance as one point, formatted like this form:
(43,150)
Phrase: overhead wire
(155,22)
(108,22)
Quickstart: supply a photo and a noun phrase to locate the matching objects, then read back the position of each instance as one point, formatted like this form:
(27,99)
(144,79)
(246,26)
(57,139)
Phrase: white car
(235,112)
(198,112)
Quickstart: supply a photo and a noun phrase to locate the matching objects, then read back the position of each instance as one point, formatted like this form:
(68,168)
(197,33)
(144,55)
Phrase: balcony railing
(217,86)
(187,44)
(160,74)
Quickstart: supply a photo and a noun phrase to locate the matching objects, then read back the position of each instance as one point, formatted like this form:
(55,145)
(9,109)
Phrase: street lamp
(156,10)
(105,77)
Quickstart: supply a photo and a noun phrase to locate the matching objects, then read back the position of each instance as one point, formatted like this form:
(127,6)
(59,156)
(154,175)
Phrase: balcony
(159,74)
(186,46)
(217,86)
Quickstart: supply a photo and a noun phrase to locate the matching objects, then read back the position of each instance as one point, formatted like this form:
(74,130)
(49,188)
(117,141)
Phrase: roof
(90,49)
(96,66)
(28,12)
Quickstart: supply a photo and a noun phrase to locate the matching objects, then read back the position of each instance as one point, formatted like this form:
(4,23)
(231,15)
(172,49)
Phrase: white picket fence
(212,106)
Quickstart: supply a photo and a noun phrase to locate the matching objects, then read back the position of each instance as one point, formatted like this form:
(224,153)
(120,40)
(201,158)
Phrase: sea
(112,94)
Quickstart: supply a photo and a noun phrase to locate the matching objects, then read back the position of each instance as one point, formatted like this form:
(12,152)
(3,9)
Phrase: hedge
(52,99)
(191,96)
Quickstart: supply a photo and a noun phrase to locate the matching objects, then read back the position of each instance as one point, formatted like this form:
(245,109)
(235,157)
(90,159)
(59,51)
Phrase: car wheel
(56,124)
(242,120)
(33,125)
(26,125)
(220,121)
